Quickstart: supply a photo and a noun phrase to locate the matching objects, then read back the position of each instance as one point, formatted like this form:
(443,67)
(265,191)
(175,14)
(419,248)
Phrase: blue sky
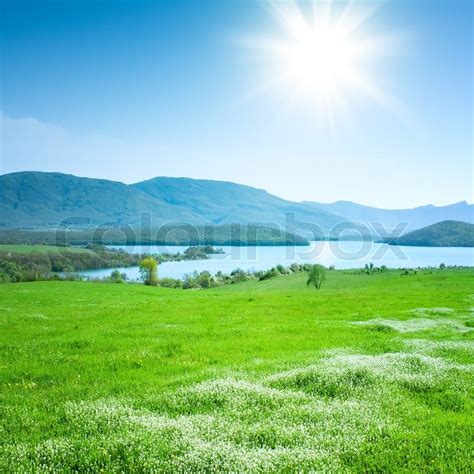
(131,90)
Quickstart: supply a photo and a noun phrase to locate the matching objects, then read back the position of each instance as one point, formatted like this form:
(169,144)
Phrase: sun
(317,59)
(321,54)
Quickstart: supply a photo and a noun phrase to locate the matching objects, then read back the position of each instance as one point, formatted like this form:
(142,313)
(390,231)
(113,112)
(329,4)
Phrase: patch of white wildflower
(234,426)
(439,311)
(312,418)
(444,348)
(412,325)
(349,375)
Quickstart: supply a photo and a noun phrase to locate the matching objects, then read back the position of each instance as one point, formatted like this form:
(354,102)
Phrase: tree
(316,275)
(148,271)
(205,279)
(116,277)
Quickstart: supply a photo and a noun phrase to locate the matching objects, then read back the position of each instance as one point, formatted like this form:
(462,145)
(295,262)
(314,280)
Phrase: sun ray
(321,55)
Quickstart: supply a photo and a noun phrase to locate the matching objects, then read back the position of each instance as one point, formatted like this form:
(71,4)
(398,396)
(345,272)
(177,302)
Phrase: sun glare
(318,59)
(321,54)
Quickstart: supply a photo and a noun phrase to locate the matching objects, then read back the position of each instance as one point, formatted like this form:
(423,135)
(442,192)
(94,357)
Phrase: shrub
(272,273)
(117,277)
(170,283)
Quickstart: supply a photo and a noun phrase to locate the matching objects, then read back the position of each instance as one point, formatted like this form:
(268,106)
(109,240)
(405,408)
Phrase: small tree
(117,277)
(148,271)
(205,279)
(316,275)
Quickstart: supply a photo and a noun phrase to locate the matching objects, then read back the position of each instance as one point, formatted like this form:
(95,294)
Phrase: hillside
(415,218)
(442,234)
(36,199)
(222,202)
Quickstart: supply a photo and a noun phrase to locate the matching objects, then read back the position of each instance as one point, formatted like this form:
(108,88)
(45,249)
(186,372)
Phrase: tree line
(63,262)
(203,280)
(167,234)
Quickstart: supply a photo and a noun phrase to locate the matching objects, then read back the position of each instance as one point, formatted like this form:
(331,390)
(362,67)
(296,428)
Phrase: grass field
(26,248)
(372,373)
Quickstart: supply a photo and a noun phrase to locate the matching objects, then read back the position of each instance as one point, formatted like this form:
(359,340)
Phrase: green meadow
(374,372)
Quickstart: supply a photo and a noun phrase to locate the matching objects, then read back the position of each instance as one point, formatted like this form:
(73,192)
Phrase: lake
(343,255)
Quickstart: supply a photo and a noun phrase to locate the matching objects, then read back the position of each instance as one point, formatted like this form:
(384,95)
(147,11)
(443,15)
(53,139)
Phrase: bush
(281,269)
(238,275)
(170,283)
(190,281)
(272,273)
(117,277)
(204,279)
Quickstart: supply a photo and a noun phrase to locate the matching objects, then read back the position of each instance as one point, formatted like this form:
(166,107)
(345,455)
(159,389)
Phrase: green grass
(372,373)
(15,248)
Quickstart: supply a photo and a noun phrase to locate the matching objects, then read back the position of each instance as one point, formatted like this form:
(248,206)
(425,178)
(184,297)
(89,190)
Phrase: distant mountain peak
(416,218)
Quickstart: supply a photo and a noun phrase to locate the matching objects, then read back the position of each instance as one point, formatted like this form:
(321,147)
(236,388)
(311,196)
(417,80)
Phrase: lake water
(343,255)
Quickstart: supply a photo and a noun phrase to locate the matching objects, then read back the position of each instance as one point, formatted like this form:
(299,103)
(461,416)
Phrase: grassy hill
(373,373)
(389,218)
(442,234)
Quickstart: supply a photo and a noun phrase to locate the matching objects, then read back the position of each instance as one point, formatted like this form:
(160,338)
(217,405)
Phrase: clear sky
(129,90)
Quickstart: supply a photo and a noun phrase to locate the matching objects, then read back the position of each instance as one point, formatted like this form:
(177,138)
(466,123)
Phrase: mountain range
(42,200)
(38,199)
(408,219)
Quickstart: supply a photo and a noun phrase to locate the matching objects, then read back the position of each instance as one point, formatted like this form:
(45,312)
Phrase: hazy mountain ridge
(415,218)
